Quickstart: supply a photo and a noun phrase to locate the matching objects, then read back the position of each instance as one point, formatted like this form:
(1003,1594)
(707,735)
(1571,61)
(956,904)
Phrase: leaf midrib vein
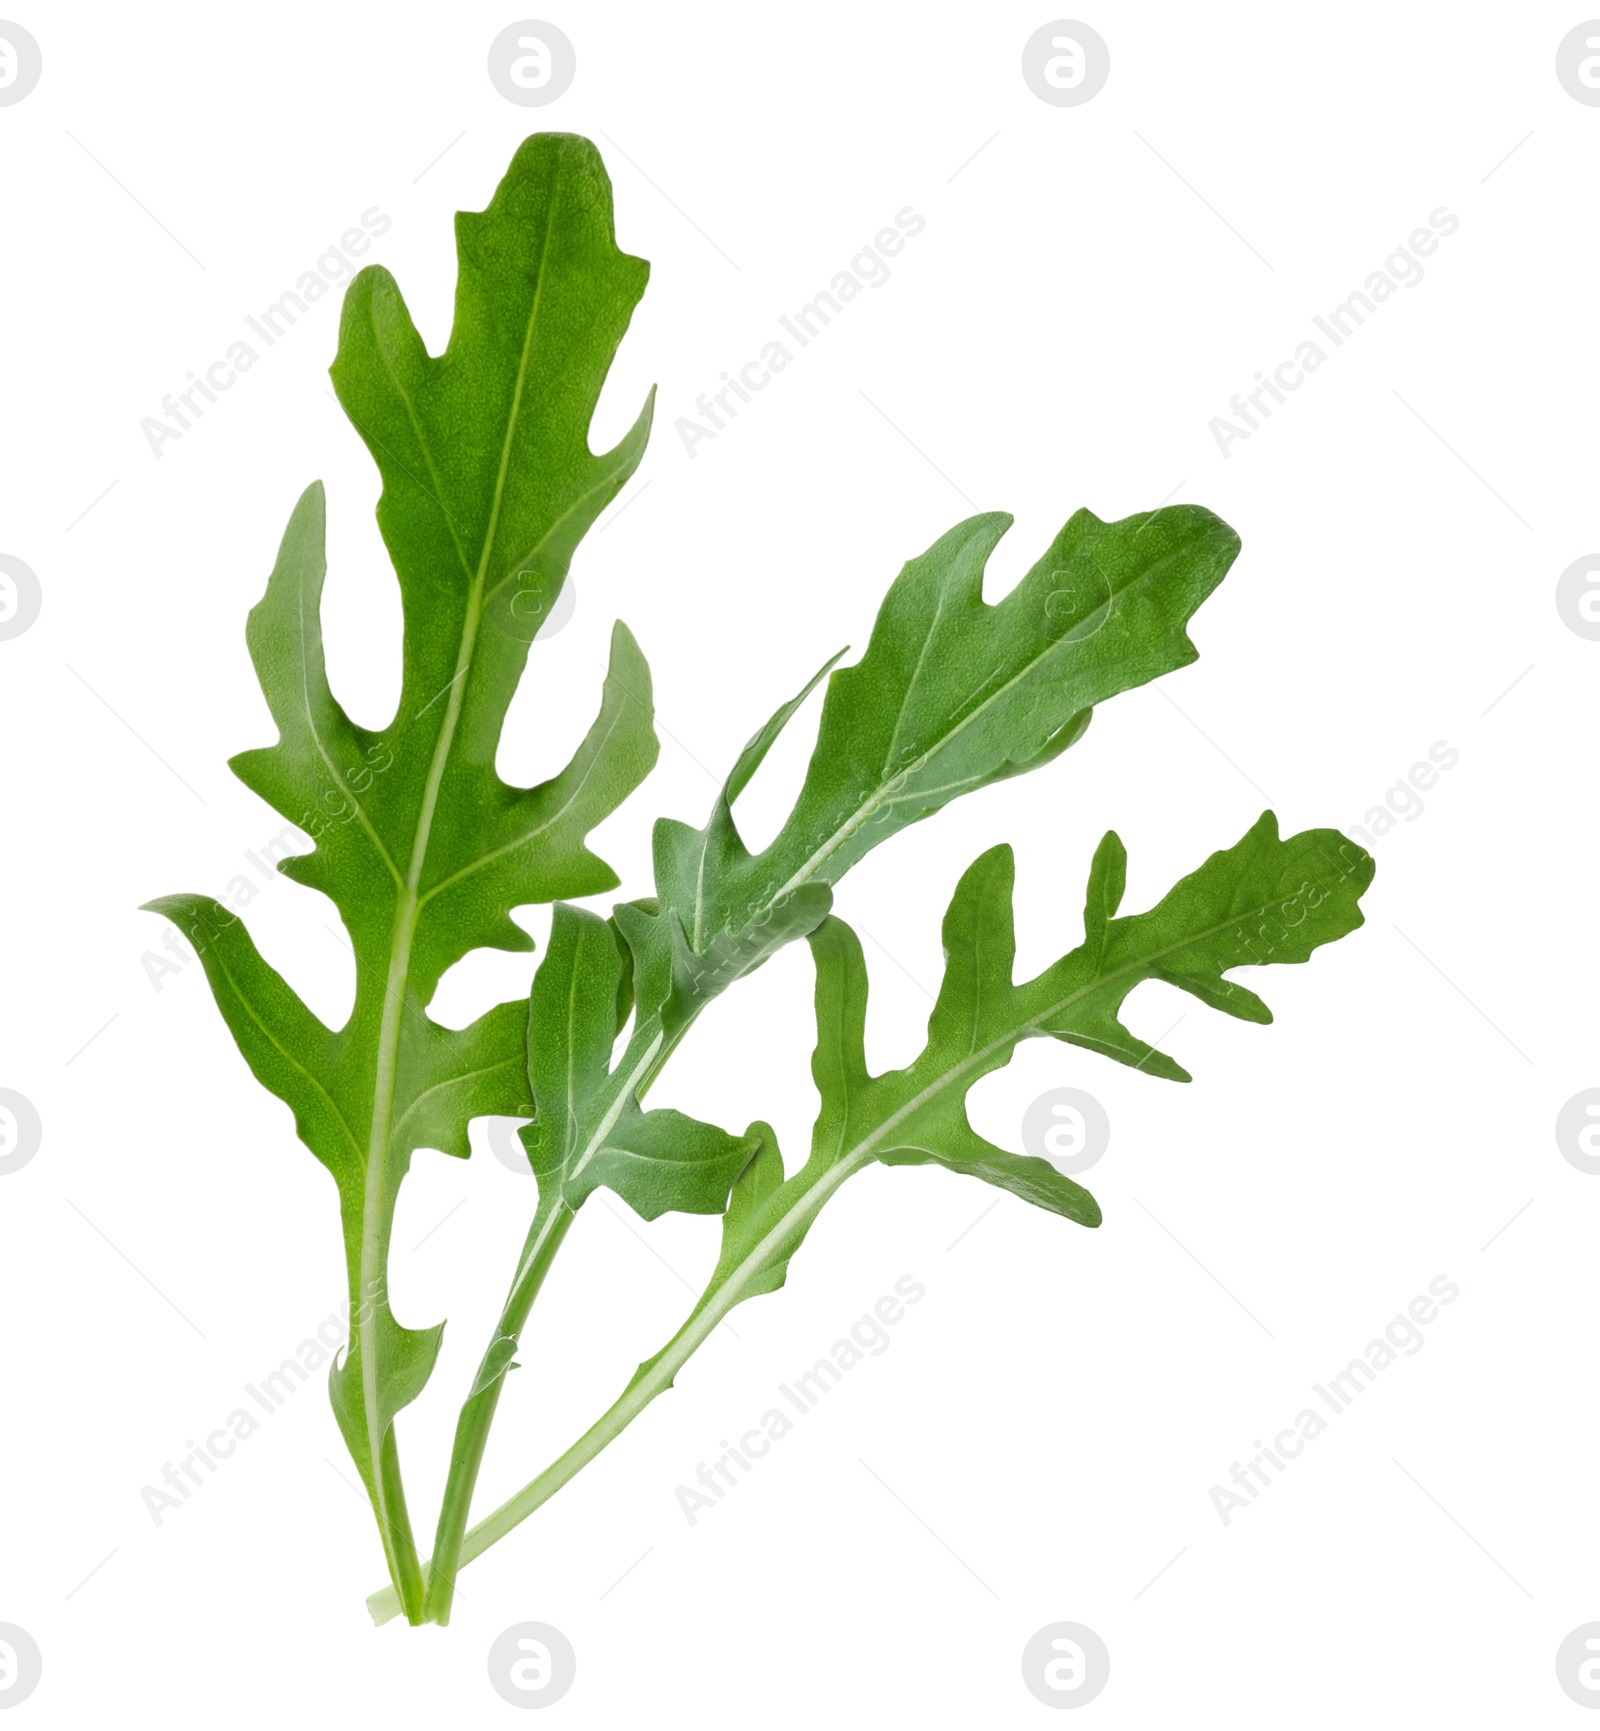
(405,920)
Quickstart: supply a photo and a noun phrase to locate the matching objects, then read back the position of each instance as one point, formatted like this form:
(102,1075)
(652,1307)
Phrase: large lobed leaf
(488,485)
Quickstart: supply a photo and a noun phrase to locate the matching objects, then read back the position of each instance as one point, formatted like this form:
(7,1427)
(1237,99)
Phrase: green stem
(545,1236)
(653,1377)
(394,1522)
(544,1240)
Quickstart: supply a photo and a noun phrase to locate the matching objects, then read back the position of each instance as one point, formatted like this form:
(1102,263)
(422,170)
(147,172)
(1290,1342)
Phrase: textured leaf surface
(488,485)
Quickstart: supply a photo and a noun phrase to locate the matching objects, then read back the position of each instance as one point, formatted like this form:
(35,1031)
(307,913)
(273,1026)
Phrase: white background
(1062,332)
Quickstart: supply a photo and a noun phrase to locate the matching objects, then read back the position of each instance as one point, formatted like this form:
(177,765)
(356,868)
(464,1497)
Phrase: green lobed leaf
(488,486)
(1267,899)
(951,695)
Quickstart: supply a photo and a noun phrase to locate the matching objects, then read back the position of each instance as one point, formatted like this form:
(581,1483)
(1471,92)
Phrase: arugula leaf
(952,694)
(488,485)
(1265,899)
(1303,890)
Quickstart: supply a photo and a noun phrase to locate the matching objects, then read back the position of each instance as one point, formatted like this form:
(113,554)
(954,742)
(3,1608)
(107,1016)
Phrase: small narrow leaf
(497,1361)
(589,1127)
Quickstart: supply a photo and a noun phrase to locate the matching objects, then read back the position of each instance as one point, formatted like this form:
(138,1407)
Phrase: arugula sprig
(489,485)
